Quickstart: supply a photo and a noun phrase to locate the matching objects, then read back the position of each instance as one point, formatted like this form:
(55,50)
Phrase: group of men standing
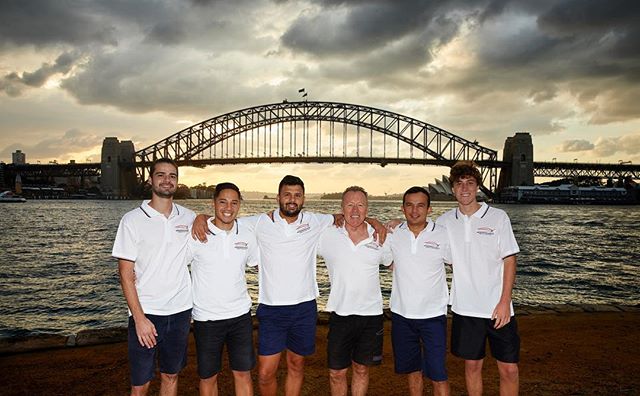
(154,248)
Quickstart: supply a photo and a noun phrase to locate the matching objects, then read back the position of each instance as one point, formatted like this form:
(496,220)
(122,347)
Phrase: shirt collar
(480,213)
(278,218)
(218,231)
(428,228)
(151,212)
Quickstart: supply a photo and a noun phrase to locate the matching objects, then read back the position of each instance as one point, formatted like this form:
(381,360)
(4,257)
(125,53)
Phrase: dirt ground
(562,354)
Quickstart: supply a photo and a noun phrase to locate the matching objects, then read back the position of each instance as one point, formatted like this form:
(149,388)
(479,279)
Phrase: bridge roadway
(541,169)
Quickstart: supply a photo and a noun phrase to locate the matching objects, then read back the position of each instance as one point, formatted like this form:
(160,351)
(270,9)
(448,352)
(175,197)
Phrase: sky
(75,72)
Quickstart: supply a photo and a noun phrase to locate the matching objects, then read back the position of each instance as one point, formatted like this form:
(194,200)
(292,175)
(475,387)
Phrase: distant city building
(19,158)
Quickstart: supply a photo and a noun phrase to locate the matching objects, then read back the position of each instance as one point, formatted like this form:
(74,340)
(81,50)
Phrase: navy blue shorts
(170,349)
(212,335)
(290,327)
(469,337)
(355,338)
(420,345)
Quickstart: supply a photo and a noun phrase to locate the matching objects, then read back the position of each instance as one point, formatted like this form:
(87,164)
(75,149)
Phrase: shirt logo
(303,228)
(373,245)
(485,231)
(431,245)
(241,245)
(182,228)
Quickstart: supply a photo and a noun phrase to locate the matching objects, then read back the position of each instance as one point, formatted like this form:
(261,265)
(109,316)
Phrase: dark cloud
(44,22)
(13,84)
(345,28)
(569,146)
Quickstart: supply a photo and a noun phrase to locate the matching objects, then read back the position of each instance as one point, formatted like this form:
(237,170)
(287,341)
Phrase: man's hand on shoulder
(380,232)
(200,229)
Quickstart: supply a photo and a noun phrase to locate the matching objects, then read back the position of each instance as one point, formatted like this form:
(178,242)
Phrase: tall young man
(353,259)
(221,302)
(483,250)
(151,246)
(419,295)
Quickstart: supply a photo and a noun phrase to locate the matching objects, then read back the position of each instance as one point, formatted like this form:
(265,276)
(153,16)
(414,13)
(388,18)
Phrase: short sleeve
(387,255)
(507,242)
(253,257)
(249,221)
(125,245)
(325,220)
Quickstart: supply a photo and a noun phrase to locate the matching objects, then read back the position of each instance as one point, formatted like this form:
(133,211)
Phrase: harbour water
(57,275)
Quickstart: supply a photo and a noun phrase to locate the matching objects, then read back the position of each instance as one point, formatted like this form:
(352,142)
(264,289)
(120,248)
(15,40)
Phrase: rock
(32,343)
(101,336)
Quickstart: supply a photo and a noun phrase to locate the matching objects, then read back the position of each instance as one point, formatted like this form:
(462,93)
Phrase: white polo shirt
(218,272)
(479,243)
(158,247)
(419,289)
(354,272)
(287,271)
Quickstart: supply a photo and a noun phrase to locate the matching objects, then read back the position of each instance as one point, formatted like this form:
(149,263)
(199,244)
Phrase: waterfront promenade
(566,350)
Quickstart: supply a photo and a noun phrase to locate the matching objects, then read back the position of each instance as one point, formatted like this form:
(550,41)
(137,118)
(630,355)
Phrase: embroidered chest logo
(485,231)
(373,245)
(241,245)
(182,228)
(303,228)
(431,245)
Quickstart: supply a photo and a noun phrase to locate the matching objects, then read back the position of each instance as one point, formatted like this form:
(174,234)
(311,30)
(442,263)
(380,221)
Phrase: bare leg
(295,374)
(243,384)
(441,388)
(416,383)
(359,379)
(509,378)
(338,382)
(168,384)
(267,370)
(473,376)
(209,386)
(141,390)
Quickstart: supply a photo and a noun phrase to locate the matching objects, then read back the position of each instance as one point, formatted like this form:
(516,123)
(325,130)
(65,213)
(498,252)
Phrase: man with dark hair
(151,248)
(287,311)
(419,295)
(483,252)
(353,259)
(221,302)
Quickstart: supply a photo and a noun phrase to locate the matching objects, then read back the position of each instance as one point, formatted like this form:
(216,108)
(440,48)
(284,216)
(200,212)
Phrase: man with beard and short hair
(151,246)
(353,259)
(287,312)
(221,302)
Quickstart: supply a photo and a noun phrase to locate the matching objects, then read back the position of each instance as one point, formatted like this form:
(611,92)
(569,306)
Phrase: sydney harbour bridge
(318,132)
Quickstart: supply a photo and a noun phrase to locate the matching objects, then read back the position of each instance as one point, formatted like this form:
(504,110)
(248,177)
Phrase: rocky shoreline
(9,346)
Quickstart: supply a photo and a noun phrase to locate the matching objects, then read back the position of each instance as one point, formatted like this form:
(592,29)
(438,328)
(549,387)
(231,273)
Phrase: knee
(169,378)
(337,376)
(242,375)
(473,366)
(295,365)
(508,371)
(360,370)
(266,375)
(211,380)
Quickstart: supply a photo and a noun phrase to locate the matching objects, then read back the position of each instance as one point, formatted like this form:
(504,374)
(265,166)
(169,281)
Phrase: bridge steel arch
(204,143)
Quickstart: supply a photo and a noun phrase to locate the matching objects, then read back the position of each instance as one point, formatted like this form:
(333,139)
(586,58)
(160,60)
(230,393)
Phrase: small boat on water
(8,196)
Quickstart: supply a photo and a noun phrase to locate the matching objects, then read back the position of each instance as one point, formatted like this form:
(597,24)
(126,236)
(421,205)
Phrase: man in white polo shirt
(151,246)
(419,295)
(221,302)
(287,311)
(353,259)
(483,250)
